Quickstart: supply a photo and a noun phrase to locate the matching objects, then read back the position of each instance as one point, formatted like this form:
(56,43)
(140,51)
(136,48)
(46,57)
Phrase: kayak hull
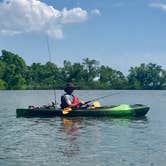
(122,110)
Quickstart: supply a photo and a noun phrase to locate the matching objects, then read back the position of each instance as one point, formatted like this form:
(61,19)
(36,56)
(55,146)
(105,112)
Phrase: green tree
(43,76)
(17,82)
(9,59)
(15,74)
(52,76)
(91,68)
(112,79)
(150,76)
(73,72)
(2,85)
(2,69)
(15,70)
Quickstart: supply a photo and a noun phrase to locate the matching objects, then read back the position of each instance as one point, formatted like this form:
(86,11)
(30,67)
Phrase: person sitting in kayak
(68,99)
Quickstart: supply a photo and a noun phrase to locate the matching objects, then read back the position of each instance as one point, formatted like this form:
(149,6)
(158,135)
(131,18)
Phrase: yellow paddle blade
(96,104)
(66,110)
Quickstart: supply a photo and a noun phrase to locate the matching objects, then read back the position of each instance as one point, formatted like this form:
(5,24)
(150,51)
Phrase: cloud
(73,15)
(23,16)
(159,5)
(96,12)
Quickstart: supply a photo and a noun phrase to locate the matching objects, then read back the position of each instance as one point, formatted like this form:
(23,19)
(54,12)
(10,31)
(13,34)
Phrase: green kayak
(122,110)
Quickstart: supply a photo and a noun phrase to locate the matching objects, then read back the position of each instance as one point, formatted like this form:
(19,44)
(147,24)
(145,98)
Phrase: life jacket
(76,100)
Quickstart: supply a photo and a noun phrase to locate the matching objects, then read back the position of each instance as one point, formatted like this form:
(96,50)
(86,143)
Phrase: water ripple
(82,141)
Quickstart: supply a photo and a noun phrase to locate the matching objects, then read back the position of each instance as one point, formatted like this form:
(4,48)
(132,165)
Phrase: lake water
(83,141)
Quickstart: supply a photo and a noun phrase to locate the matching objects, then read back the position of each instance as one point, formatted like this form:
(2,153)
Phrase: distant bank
(90,74)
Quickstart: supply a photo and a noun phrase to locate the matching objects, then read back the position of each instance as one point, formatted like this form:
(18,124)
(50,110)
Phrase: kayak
(123,110)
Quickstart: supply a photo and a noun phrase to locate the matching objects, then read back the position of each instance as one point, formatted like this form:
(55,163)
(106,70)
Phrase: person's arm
(76,104)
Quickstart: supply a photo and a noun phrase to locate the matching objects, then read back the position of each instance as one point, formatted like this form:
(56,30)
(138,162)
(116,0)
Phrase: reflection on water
(129,120)
(74,128)
(71,128)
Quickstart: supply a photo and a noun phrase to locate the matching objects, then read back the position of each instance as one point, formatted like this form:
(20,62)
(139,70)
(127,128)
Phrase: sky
(117,33)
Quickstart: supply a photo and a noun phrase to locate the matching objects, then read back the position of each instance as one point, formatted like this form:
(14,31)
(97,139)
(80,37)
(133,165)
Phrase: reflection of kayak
(122,110)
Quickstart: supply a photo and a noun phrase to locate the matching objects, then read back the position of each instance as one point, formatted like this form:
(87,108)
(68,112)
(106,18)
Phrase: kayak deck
(122,110)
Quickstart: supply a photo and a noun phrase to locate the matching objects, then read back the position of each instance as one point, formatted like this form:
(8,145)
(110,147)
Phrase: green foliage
(112,79)
(12,59)
(14,70)
(15,74)
(150,76)
(42,76)
(2,69)
(91,68)
(2,85)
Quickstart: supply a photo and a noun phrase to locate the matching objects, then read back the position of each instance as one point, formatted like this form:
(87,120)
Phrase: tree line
(16,75)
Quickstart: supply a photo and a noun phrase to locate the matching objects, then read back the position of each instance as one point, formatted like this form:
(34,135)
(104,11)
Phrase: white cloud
(159,5)
(73,15)
(22,16)
(96,12)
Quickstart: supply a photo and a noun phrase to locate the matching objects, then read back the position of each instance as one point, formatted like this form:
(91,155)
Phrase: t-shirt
(66,100)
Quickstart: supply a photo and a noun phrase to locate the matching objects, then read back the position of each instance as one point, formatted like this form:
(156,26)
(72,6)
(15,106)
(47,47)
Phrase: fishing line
(48,47)
(50,60)
(99,98)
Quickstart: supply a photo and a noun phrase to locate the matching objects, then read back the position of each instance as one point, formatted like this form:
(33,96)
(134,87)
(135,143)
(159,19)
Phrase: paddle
(66,110)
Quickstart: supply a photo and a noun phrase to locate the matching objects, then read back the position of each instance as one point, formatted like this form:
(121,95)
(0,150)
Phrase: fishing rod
(49,50)
(99,98)
(54,90)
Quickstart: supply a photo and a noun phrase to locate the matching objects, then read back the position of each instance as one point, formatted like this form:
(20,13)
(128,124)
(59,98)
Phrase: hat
(70,86)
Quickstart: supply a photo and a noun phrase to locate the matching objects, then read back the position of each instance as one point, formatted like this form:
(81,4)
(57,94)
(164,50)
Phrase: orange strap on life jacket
(76,100)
